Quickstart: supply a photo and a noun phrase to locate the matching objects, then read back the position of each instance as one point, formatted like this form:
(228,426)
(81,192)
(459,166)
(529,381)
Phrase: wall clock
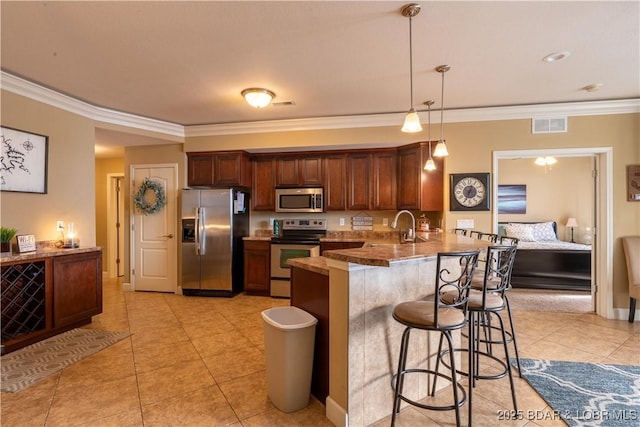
(469,192)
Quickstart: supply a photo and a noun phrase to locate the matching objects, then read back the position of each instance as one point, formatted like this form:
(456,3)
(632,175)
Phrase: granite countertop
(317,264)
(385,252)
(45,252)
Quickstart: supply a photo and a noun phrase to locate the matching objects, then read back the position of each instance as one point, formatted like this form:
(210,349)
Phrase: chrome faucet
(410,235)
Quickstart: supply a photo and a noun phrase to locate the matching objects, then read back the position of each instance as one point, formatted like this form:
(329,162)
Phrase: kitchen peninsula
(48,291)
(364,286)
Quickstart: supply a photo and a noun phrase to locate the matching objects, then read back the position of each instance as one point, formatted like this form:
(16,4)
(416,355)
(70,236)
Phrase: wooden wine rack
(23,299)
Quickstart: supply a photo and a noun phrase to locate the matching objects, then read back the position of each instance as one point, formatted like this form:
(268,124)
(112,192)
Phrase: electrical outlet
(385,221)
(271,222)
(341,221)
(465,223)
(59,225)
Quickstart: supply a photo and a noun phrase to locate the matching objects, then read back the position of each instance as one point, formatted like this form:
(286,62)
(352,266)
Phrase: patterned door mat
(587,394)
(33,363)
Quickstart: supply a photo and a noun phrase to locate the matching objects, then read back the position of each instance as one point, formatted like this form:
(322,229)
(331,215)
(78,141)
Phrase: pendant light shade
(258,97)
(430,165)
(412,120)
(441,148)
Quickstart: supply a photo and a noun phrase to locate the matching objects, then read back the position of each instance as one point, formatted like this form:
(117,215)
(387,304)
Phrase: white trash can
(289,338)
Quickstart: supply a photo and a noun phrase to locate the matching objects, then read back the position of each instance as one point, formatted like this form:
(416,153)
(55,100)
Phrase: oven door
(280,269)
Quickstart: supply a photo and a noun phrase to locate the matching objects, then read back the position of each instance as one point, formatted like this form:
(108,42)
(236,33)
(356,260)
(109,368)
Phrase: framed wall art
(512,199)
(633,183)
(469,192)
(23,162)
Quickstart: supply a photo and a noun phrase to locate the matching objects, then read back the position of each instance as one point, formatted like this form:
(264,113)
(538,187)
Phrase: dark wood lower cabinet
(48,295)
(77,288)
(257,267)
(310,292)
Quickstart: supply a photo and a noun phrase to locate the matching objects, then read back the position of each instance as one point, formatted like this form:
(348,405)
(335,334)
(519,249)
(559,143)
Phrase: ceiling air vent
(549,125)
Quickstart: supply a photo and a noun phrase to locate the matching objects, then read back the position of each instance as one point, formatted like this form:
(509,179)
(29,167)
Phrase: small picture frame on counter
(26,243)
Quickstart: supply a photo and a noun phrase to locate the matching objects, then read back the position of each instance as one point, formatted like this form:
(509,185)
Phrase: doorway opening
(602,253)
(115,225)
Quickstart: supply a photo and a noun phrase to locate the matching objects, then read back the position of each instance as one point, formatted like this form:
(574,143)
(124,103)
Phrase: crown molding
(395,119)
(31,90)
(39,93)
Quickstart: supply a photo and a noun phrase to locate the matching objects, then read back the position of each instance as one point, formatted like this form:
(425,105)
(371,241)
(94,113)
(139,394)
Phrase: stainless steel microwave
(299,199)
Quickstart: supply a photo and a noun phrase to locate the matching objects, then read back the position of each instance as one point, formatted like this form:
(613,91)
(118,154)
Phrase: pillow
(523,232)
(543,231)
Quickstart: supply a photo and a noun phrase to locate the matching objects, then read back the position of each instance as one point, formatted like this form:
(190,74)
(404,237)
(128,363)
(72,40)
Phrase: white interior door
(154,236)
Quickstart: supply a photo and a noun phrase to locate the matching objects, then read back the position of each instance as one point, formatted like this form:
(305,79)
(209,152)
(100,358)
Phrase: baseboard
(623,314)
(128,287)
(336,413)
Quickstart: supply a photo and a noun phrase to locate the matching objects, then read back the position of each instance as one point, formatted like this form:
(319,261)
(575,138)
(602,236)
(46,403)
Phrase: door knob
(168,235)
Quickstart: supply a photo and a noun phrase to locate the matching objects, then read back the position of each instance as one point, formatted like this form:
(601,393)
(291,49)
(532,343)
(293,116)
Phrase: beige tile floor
(200,362)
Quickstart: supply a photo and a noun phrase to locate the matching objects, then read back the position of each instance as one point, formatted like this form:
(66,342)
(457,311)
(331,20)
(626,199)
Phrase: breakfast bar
(364,286)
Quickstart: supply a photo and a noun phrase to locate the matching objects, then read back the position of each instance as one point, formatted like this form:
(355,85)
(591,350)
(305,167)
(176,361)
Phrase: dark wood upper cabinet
(264,184)
(219,169)
(383,171)
(359,181)
(310,170)
(419,189)
(199,169)
(299,170)
(335,178)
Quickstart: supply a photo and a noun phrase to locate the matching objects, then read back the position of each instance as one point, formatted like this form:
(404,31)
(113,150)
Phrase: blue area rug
(587,394)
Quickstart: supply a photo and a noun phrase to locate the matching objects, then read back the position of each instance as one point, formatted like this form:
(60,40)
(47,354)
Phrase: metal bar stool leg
(513,333)
(506,355)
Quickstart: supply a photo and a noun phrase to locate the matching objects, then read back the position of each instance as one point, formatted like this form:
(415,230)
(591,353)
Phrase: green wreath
(140,198)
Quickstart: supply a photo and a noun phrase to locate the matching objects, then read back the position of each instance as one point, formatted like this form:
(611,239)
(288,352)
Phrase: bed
(545,262)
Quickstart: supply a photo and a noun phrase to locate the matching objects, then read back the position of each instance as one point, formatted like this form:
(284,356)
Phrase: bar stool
(513,241)
(484,304)
(454,271)
(505,240)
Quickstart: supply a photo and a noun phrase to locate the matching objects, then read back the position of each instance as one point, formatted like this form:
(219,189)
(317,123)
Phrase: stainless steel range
(300,239)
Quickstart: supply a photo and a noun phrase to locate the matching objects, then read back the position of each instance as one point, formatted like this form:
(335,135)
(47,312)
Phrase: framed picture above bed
(469,192)
(512,199)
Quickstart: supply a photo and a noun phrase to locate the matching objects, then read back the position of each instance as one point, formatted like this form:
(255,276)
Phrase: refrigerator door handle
(200,230)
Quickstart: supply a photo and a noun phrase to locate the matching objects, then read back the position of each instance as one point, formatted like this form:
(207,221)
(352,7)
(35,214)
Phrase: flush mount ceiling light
(258,97)
(430,165)
(412,120)
(441,148)
(557,56)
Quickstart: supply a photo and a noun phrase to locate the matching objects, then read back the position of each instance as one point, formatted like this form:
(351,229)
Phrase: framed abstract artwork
(23,161)
(512,199)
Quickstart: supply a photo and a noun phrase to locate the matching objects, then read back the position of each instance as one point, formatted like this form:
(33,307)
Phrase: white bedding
(553,244)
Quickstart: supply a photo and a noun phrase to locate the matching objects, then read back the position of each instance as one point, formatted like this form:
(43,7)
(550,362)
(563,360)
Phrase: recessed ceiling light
(593,87)
(557,56)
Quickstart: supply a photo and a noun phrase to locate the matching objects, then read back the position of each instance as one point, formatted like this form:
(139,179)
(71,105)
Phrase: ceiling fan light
(258,97)
(550,160)
(430,165)
(412,122)
(441,149)
(540,161)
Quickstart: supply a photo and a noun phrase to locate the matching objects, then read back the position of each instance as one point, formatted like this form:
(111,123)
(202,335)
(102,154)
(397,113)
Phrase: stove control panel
(304,224)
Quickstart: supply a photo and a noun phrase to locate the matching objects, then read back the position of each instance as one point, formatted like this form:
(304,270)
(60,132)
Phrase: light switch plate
(385,221)
(341,221)
(465,223)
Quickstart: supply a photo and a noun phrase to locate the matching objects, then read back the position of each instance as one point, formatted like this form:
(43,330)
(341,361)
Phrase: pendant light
(412,120)
(441,148)
(430,165)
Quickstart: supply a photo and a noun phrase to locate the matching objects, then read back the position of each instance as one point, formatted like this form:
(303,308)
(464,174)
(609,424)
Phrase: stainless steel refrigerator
(214,221)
